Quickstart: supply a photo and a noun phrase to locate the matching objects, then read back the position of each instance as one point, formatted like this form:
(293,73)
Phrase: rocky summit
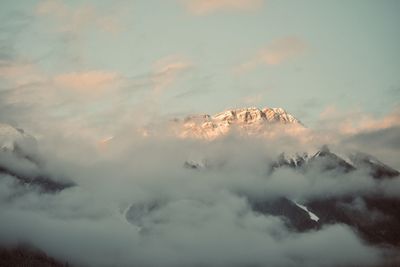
(252,120)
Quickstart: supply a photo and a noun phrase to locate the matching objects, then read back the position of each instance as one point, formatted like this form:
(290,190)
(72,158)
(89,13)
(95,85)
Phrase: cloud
(277,52)
(203,217)
(361,131)
(28,83)
(166,71)
(77,19)
(33,97)
(282,50)
(204,7)
(383,143)
(20,73)
(350,122)
(90,80)
(368,123)
(387,137)
(199,218)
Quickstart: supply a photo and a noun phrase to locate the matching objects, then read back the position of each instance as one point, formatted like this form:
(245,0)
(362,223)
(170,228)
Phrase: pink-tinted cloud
(277,52)
(349,123)
(20,73)
(203,7)
(91,80)
(356,130)
(12,71)
(367,124)
(23,74)
(167,70)
(282,50)
(33,87)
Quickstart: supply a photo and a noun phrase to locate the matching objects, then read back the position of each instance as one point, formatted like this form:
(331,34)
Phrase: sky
(97,60)
(87,79)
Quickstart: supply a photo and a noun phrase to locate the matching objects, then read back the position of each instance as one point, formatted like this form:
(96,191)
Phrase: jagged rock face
(251,120)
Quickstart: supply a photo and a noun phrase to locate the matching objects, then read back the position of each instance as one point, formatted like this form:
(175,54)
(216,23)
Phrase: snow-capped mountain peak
(251,120)
(253,115)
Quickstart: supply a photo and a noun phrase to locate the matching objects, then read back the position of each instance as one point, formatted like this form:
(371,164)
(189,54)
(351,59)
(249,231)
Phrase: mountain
(375,217)
(246,120)
(19,159)
(24,255)
(326,160)
(377,168)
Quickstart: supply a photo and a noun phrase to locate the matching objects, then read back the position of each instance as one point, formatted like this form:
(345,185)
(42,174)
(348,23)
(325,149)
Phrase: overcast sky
(92,59)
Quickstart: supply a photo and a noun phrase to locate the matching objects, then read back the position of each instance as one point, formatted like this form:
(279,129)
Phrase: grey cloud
(387,138)
(204,217)
(382,143)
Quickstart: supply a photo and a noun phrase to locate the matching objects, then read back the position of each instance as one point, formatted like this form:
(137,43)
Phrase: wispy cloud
(29,94)
(167,70)
(77,19)
(282,50)
(19,73)
(358,130)
(90,80)
(355,122)
(204,7)
(277,52)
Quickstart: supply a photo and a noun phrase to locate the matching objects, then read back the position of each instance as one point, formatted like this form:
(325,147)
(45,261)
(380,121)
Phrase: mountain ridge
(252,120)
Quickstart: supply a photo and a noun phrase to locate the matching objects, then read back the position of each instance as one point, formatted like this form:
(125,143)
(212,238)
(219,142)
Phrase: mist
(135,204)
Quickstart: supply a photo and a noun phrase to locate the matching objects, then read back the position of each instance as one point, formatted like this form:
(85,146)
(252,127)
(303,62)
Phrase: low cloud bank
(200,217)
